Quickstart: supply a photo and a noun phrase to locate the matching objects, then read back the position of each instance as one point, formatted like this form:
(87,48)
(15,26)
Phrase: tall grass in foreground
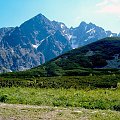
(90,99)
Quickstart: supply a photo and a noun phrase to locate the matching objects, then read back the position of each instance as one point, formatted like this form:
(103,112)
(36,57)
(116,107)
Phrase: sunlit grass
(90,99)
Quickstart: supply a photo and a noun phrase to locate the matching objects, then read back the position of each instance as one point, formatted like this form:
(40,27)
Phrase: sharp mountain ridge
(39,40)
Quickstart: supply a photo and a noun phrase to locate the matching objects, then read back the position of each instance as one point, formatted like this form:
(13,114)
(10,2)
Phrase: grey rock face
(33,43)
(3,31)
(88,33)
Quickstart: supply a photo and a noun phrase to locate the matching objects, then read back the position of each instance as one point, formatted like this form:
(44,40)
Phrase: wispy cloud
(105,2)
(109,6)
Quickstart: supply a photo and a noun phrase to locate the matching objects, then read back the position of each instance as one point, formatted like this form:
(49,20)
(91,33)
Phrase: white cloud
(102,3)
(106,2)
(111,9)
(109,6)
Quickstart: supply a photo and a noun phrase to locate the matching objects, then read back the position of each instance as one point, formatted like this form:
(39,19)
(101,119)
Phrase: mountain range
(39,40)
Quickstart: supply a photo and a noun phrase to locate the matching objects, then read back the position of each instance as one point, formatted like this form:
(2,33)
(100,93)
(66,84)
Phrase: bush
(117,107)
(3,98)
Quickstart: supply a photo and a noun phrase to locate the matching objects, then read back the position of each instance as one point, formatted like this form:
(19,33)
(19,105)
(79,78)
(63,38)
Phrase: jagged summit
(39,39)
(83,23)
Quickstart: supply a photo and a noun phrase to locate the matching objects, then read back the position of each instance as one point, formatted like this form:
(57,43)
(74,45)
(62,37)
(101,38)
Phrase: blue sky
(104,13)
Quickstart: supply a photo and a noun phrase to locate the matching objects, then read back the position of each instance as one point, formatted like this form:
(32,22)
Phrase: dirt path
(21,106)
(31,112)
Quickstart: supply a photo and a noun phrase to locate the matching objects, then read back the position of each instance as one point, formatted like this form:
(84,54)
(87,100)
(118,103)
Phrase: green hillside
(91,59)
(95,65)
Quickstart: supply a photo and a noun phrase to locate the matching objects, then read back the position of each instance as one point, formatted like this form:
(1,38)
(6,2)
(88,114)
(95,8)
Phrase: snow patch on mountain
(73,44)
(35,46)
(91,30)
(62,26)
(69,36)
(111,35)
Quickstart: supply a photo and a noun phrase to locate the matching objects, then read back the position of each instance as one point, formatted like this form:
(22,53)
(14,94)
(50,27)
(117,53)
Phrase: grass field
(89,99)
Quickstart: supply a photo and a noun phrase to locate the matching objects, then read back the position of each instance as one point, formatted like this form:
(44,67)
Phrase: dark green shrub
(3,98)
(117,107)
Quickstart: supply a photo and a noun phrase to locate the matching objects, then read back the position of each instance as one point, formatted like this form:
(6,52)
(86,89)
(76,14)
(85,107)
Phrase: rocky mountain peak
(82,24)
(39,39)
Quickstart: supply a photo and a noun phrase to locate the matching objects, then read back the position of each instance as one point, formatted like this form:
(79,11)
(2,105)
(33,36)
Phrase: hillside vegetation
(94,65)
(101,57)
